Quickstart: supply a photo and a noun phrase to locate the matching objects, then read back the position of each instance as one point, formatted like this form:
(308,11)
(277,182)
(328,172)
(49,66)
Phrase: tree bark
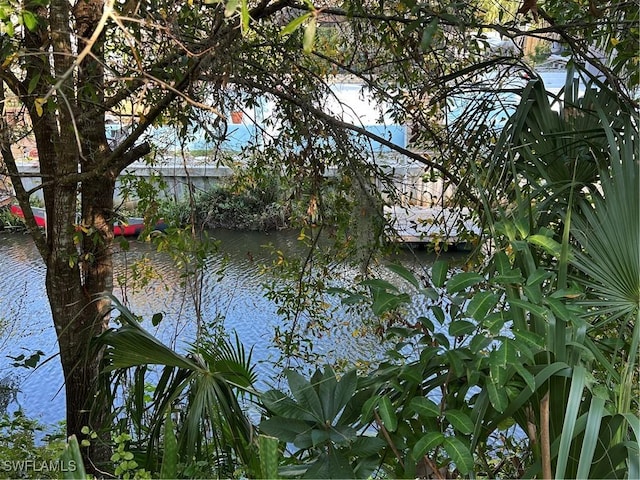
(79,265)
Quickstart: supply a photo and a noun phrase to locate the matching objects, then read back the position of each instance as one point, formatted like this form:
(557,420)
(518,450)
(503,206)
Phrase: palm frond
(201,387)
(608,232)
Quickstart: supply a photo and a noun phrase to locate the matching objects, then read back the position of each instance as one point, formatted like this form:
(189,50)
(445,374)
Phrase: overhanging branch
(331,120)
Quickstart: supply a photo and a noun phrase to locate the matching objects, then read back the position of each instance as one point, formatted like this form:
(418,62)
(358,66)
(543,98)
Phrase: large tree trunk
(70,136)
(76,291)
(77,318)
(79,264)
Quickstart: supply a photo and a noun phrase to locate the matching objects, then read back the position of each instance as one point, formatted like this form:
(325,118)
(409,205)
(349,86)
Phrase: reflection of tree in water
(8,392)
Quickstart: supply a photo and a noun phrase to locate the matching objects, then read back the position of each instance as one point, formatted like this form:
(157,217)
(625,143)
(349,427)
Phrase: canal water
(236,297)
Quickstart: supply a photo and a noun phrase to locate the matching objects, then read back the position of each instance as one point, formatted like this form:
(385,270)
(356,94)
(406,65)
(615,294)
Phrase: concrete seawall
(409,179)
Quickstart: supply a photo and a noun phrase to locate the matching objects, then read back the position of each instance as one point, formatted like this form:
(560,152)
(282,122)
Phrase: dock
(431,225)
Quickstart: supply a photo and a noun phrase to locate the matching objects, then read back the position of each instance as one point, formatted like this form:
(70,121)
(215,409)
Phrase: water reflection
(235,298)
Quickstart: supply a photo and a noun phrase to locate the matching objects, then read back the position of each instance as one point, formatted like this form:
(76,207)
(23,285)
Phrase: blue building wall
(241,135)
(349,104)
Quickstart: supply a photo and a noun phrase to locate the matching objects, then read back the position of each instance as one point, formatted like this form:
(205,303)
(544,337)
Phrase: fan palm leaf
(557,146)
(202,388)
(608,231)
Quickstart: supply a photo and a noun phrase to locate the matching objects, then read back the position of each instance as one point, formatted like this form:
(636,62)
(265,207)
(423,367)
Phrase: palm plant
(608,232)
(533,351)
(200,390)
(320,419)
(591,428)
(554,148)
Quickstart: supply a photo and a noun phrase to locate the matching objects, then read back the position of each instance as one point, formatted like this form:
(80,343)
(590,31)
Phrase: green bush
(22,455)
(235,206)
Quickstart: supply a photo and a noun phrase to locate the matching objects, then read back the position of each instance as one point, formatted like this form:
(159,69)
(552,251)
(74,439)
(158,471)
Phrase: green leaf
(170,458)
(426,323)
(497,369)
(594,420)
(548,244)
(428,33)
(344,391)
(294,24)
(460,454)
(245,17)
(461,281)
(309,35)
(71,458)
(439,314)
(156,319)
(427,443)
(326,384)
(501,262)
(506,424)
(509,277)
(133,346)
(384,301)
(559,309)
(497,396)
(404,273)
(574,402)
(305,395)
(424,407)
(388,414)
(284,406)
(30,20)
(456,359)
(522,225)
(342,434)
(353,299)
(285,429)
(378,284)
(533,294)
(507,352)
(231,7)
(269,456)
(481,304)
(538,310)
(364,446)
(413,373)
(331,465)
(439,273)
(459,420)
(494,322)
(368,408)
(304,439)
(530,339)
(526,375)
(538,276)
(431,293)
(479,343)
(33,83)
(318,437)
(442,340)
(459,328)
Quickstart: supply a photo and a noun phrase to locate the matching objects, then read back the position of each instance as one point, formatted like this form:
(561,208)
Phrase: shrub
(22,454)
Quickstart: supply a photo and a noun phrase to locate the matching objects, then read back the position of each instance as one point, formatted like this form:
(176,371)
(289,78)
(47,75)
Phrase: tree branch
(23,199)
(329,119)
